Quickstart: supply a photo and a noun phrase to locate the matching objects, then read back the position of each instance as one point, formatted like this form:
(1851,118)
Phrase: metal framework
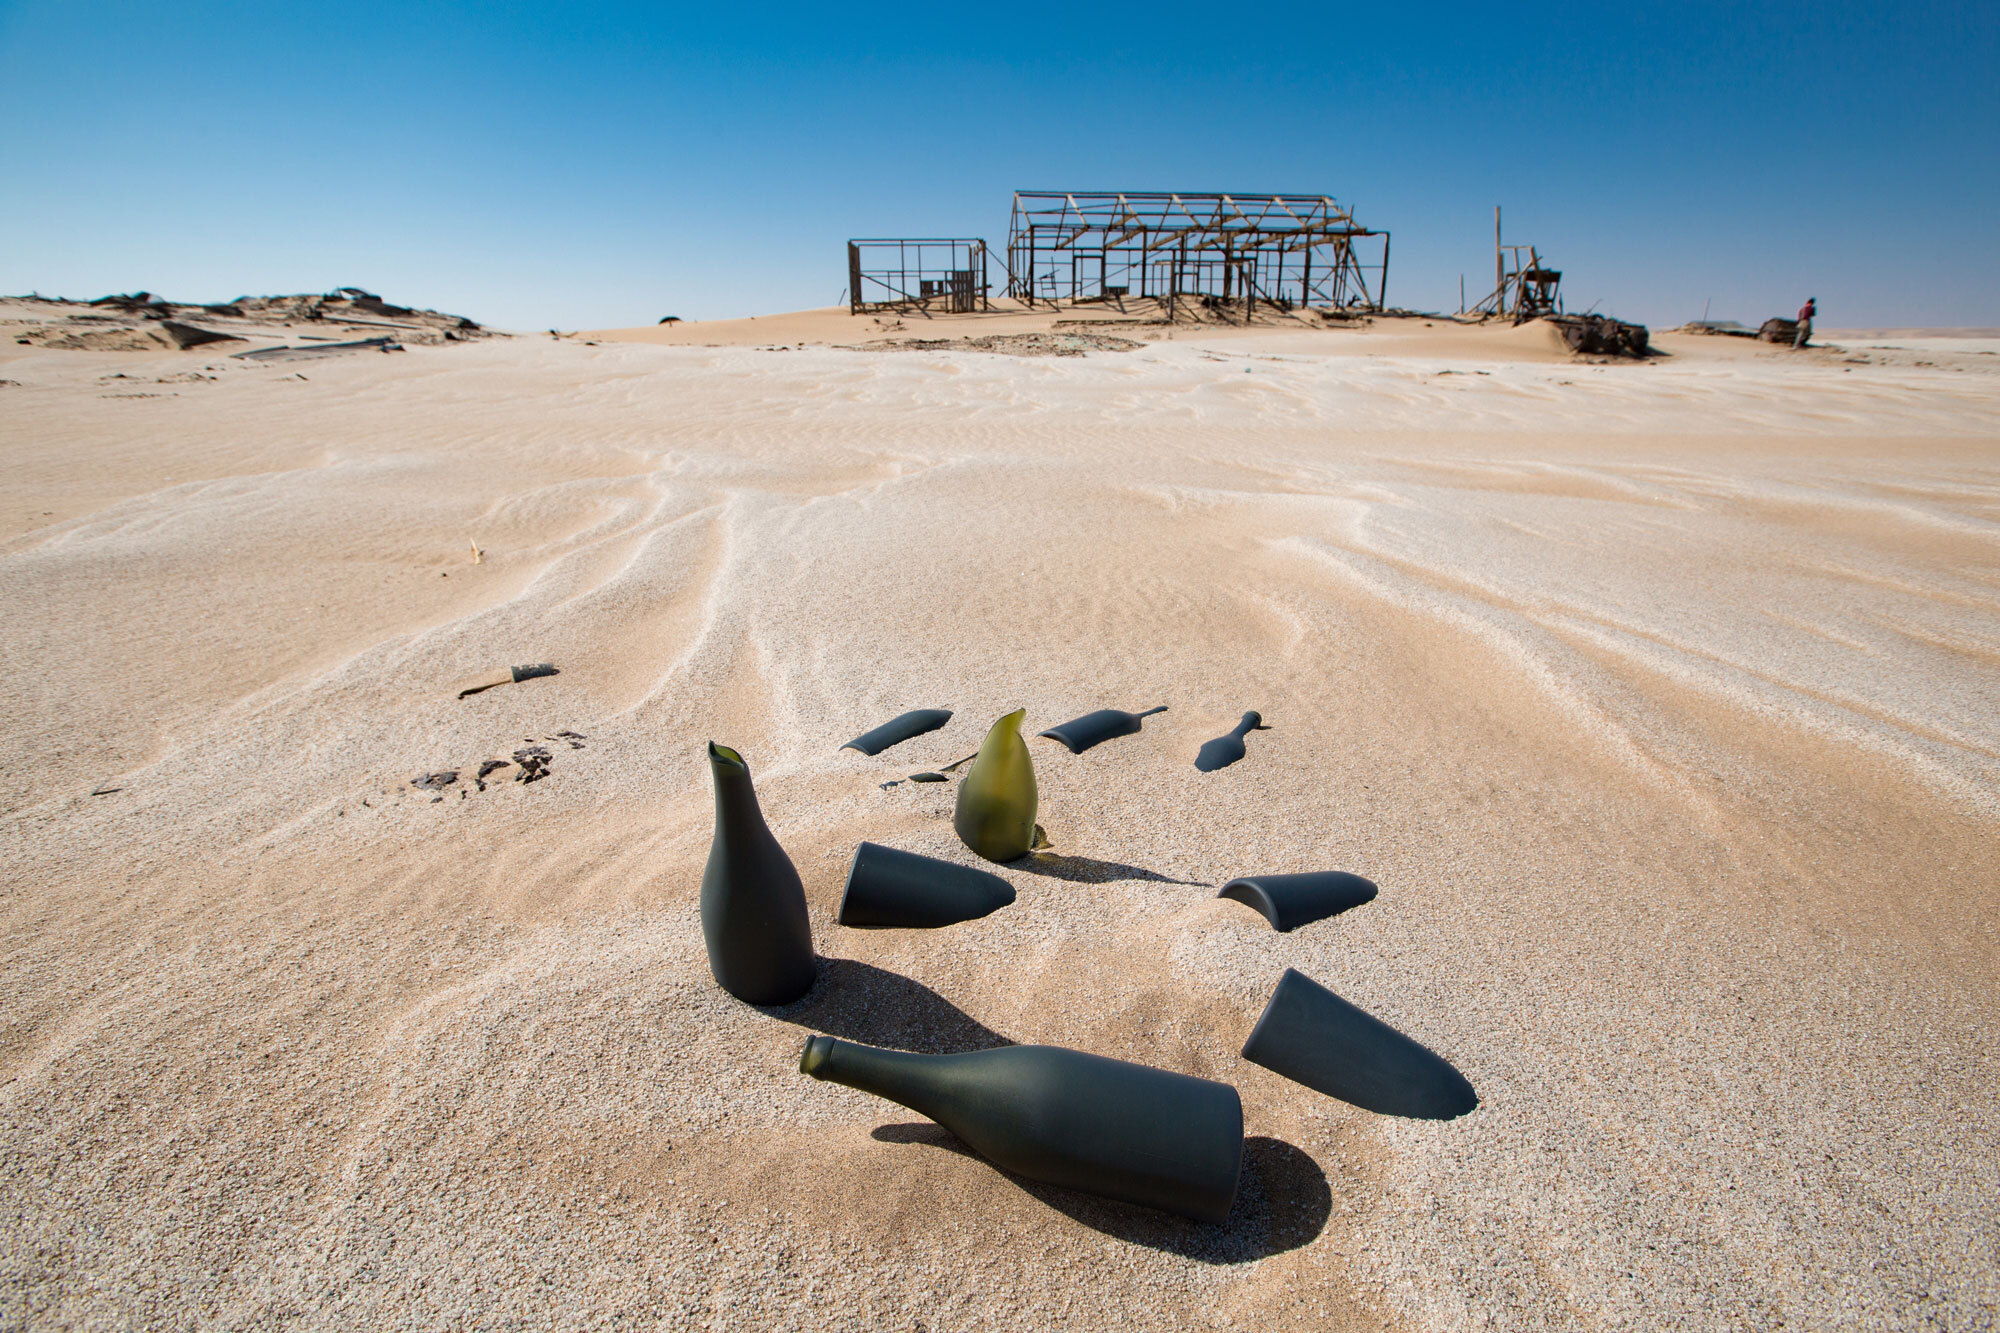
(947,274)
(1286,250)
(1523,289)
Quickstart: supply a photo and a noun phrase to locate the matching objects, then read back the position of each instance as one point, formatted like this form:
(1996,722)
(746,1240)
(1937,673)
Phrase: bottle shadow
(1282,1203)
(1088,870)
(861,1002)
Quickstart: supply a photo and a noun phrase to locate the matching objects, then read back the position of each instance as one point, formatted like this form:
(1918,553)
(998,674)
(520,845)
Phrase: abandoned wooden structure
(1523,288)
(921,274)
(1235,250)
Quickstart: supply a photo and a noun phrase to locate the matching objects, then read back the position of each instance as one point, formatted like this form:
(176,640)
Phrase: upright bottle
(753,908)
(1066,1118)
(996,802)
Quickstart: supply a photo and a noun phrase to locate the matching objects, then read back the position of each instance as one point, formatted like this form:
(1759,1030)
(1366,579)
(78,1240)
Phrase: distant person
(1806,313)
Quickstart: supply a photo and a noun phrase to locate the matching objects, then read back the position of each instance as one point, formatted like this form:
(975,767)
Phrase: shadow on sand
(1087,870)
(1282,1203)
(868,1004)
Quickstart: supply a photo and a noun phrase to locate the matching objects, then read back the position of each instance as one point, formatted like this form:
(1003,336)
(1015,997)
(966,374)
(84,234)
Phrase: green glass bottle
(753,908)
(1068,1118)
(996,802)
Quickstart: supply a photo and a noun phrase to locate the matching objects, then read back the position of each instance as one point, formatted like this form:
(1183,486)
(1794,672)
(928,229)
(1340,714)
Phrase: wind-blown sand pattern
(1660,700)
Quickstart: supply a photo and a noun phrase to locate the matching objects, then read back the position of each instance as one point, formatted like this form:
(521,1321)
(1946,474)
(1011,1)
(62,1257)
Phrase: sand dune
(1659,699)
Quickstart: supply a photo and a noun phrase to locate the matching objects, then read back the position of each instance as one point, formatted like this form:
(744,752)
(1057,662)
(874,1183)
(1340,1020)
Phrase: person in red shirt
(1806,313)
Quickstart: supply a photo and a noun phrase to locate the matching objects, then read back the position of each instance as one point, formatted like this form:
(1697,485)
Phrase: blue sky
(581,166)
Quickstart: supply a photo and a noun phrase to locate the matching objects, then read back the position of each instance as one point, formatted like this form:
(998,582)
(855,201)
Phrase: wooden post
(1499,268)
(853,278)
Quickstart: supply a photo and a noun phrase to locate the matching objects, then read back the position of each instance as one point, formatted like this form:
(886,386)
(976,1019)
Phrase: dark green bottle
(1291,901)
(899,729)
(1080,733)
(1066,1118)
(1226,750)
(753,908)
(995,815)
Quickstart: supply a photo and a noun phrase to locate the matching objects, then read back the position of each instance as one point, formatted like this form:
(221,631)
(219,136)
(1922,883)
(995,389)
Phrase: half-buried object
(1291,901)
(1227,749)
(887,887)
(1312,1036)
(995,815)
(1066,1118)
(753,907)
(897,731)
(1080,733)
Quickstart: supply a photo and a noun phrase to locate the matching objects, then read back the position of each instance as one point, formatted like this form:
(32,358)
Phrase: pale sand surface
(1659,699)
(835,326)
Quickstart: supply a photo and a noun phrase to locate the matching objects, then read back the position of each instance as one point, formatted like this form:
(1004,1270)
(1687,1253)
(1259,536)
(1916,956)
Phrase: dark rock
(375,305)
(1601,335)
(185,336)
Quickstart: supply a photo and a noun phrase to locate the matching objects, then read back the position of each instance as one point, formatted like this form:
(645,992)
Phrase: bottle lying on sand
(899,729)
(890,887)
(487,680)
(1313,1037)
(1291,901)
(1080,733)
(995,815)
(1067,1118)
(1226,750)
(753,908)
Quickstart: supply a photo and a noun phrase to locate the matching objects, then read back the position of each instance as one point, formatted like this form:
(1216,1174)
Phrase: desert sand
(1660,700)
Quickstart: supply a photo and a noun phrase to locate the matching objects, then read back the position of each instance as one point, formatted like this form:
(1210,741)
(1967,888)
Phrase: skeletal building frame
(918,274)
(1285,250)
(1523,288)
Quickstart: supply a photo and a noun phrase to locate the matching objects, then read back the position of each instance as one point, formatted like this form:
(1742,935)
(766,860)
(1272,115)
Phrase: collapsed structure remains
(1226,251)
(1284,250)
(1523,288)
(897,273)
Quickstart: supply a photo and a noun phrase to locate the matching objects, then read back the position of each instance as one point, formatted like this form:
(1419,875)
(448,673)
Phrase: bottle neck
(909,1080)
(735,796)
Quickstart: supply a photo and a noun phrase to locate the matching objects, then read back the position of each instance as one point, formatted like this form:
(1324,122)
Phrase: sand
(1659,700)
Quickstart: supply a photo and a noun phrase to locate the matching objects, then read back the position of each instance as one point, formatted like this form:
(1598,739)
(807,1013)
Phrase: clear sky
(580,166)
